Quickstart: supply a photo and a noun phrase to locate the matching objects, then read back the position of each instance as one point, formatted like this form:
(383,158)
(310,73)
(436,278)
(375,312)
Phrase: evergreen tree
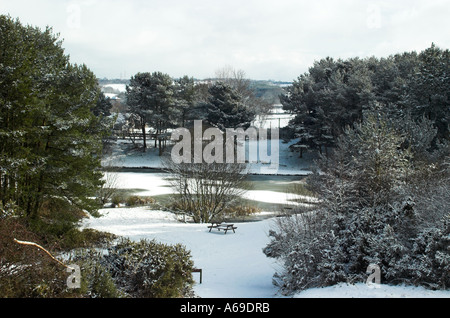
(333,94)
(225,109)
(328,98)
(151,97)
(245,88)
(50,140)
(429,89)
(376,207)
(185,93)
(137,101)
(103,106)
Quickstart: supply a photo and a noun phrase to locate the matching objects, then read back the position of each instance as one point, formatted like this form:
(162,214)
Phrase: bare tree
(110,182)
(236,79)
(204,190)
(242,85)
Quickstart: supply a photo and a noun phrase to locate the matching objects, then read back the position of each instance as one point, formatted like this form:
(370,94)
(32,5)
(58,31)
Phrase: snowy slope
(361,290)
(233,264)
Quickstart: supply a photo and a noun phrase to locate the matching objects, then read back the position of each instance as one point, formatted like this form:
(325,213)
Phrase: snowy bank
(233,265)
(362,290)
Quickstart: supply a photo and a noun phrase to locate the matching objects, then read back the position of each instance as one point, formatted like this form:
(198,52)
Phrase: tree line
(160,102)
(55,121)
(334,94)
(382,180)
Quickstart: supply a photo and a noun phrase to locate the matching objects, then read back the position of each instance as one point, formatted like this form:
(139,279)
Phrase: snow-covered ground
(362,290)
(154,184)
(233,265)
(121,88)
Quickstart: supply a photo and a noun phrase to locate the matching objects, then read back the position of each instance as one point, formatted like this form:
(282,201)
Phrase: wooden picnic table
(222,226)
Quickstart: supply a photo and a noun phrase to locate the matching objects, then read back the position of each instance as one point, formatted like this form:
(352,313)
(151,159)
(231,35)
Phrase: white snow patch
(122,88)
(275,197)
(233,264)
(362,290)
(152,184)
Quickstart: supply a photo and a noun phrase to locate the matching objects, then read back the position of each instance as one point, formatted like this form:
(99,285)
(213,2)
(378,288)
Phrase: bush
(135,200)
(96,280)
(144,269)
(27,272)
(117,199)
(322,249)
(374,209)
(56,218)
(58,226)
(205,191)
(147,269)
(138,270)
(240,211)
(76,238)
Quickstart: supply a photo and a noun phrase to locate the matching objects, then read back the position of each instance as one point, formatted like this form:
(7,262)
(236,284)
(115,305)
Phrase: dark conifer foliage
(50,138)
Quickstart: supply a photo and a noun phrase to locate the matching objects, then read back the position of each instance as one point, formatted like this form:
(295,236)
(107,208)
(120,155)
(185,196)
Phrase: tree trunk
(145,137)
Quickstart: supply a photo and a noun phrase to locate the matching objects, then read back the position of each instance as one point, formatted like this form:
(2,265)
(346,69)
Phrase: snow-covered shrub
(135,200)
(240,211)
(375,208)
(96,280)
(144,269)
(432,250)
(346,245)
(27,272)
(149,269)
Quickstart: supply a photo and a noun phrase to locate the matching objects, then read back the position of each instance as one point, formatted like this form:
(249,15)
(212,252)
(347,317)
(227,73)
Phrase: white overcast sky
(276,39)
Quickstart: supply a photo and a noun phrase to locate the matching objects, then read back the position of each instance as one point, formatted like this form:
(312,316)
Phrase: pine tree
(225,109)
(328,98)
(151,97)
(429,89)
(185,94)
(377,206)
(50,141)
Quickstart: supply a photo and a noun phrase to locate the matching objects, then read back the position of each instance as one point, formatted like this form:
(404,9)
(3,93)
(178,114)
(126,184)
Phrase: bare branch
(43,249)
